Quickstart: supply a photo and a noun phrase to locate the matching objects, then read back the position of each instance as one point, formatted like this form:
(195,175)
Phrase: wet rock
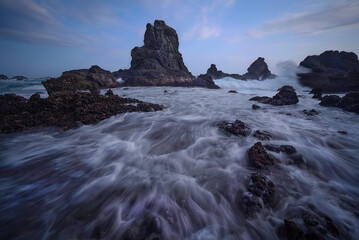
(310,112)
(64,109)
(250,204)
(236,128)
(255,107)
(350,102)
(331,71)
(232,91)
(329,101)
(317,93)
(217,74)
(343,132)
(293,231)
(144,228)
(19,77)
(109,93)
(263,136)
(258,157)
(285,96)
(258,70)
(159,62)
(126,88)
(310,219)
(3,77)
(332,227)
(288,149)
(261,187)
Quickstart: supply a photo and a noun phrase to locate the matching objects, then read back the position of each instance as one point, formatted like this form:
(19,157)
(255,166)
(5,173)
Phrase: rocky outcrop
(331,71)
(19,77)
(64,109)
(236,128)
(218,74)
(317,93)
(261,187)
(3,77)
(285,96)
(159,62)
(258,157)
(82,79)
(258,70)
(350,102)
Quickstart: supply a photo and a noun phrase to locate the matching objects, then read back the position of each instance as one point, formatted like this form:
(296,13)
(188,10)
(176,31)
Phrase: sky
(41,38)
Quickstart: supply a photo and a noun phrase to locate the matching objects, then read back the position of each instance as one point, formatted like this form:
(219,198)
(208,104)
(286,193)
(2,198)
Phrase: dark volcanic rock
(258,70)
(330,101)
(258,157)
(19,77)
(82,79)
(3,77)
(261,187)
(263,136)
(331,71)
(285,96)
(255,107)
(232,91)
(159,62)
(64,109)
(217,74)
(236,128)
(317,93)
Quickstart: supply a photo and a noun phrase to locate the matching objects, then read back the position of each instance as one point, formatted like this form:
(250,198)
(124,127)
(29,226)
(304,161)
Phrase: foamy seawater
(175,171)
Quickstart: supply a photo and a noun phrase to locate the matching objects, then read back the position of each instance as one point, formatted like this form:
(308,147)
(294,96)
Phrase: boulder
(236,128)
(261,187)
(258,70)
(285,96)
(19,77)
(232,91)
(255,107)
(159,62)
(64,109)
(217,74)
(3,77)
(331,71)
(329,101)
(350,102)
(317,93)
(258,157)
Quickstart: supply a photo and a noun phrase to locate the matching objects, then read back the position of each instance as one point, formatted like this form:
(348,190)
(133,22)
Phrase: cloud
(334,15)
(201,32)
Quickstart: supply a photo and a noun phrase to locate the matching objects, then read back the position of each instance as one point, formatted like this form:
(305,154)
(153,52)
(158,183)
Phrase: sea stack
(258,70)
(331,71)
(218,74)
(158,62)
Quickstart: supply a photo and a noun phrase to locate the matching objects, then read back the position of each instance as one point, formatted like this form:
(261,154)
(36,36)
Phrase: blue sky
(46,37)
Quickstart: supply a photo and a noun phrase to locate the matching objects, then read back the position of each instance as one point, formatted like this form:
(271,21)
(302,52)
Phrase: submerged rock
(217,74)
(331,71)
(263,136)
(64,109)
(249,204)
(159,62)
(288,149)
(143,228)
(285,96)
(258,70)
(236,128)
(258,157)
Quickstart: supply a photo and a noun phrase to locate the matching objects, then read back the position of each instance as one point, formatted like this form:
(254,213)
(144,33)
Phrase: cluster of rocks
(285,96)
(331,71)
(258,70)
(64,109)
(4,77)
(350,102)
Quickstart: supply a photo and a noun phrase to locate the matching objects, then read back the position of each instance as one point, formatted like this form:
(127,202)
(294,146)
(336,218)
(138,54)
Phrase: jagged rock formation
(3,77)
(218,74)
(258,70)
(19,77)
(331,71)
(82,79)
(159,62)
(285,96)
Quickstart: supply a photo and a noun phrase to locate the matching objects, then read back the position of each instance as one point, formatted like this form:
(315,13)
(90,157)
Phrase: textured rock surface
(261,187)
(262,135)
(331,71)
(258,70)
(236,128)
(159,62)
(350,102)
(258,157)
(3,77)
(82,79)
(285,96)
(218,74)
(64,109)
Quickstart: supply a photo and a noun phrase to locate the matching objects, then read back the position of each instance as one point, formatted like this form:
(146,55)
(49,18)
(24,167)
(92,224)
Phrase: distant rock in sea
(3,77)
(285,96)
(258,70)
(331,71)
(159,62)
(218,74)
(82,79)
(19,77)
